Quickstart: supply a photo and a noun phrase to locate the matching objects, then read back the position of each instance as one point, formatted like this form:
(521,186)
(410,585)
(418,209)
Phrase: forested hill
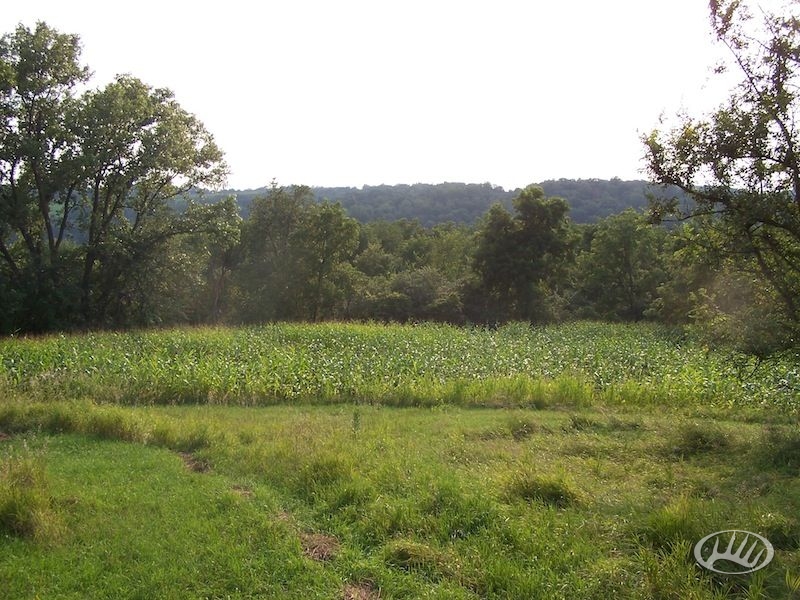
(589,199)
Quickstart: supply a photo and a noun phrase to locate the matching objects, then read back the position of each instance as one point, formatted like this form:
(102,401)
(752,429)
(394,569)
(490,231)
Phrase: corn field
(421,365)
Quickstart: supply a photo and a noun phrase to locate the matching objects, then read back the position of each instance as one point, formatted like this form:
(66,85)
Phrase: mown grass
(442,502)
(581,461)
(424,365)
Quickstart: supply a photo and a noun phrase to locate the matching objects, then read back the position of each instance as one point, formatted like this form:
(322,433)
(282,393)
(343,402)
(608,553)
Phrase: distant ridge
(465,203)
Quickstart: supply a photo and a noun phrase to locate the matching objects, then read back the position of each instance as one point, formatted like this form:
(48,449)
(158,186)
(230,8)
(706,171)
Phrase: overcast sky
(347,92)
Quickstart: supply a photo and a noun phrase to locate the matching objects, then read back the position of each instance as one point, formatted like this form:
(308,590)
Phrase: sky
(352,93)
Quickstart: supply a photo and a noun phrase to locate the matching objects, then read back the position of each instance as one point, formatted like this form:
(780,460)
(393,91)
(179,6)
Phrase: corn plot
(514,365)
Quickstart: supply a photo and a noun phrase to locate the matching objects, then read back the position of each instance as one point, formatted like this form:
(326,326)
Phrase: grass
(26,507)
(417,502)
(534,479)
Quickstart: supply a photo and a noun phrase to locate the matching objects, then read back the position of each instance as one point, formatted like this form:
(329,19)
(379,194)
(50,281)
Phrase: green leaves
(741,163)
(520,258)
(99,168)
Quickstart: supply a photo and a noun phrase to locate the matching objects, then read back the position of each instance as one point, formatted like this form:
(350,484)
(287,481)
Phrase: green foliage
(572,365)
(740,164)
(520,260)
(677,524)
(779,448)
(696,438)
(417,557)
(522,428)
(415,504)
(465,203)
(87,234)
(618,275)
(549,490)
(293,256)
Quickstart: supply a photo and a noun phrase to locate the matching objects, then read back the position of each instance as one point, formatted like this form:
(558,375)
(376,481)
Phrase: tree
(294,253)
(619,275)
(741,164)
(39,165)
(140,150)
(325,239)
(520,259)
(267,278)
(94,174)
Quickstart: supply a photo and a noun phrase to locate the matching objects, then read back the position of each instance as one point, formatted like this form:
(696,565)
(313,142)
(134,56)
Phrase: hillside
(589,199)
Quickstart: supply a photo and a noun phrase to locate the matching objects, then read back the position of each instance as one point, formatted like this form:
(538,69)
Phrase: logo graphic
(752,553)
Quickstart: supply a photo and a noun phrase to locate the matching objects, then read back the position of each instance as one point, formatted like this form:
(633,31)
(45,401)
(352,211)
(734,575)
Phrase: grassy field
(579,461)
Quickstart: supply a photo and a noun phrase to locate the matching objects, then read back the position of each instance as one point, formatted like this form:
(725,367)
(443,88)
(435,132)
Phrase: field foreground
(581,486)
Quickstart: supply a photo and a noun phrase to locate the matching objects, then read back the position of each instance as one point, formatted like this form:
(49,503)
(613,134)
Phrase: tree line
(101,224)
(464,203)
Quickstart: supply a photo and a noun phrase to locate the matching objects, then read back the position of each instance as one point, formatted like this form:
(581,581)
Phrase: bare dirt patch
(4,436)
(194,464)
(361,591)
(319,546)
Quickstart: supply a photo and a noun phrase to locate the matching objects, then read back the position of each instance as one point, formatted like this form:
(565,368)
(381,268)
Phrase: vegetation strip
(574,364)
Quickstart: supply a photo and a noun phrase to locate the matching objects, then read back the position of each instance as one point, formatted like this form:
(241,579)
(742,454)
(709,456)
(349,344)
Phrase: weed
(617,424)
(682,520)
(581,423)
(521,428)
(111,423)
(670,573)
(319,474)
(783,532)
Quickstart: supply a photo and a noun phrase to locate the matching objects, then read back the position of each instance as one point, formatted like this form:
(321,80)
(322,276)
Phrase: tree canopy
(99,167)
(741,163)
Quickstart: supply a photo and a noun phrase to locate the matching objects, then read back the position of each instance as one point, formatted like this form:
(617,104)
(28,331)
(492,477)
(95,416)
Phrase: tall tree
(294,252)
(140,149)
(326,238)
(39,163)
(267,279)
(741,164)
(520,259)
(101,169)
(619,275)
